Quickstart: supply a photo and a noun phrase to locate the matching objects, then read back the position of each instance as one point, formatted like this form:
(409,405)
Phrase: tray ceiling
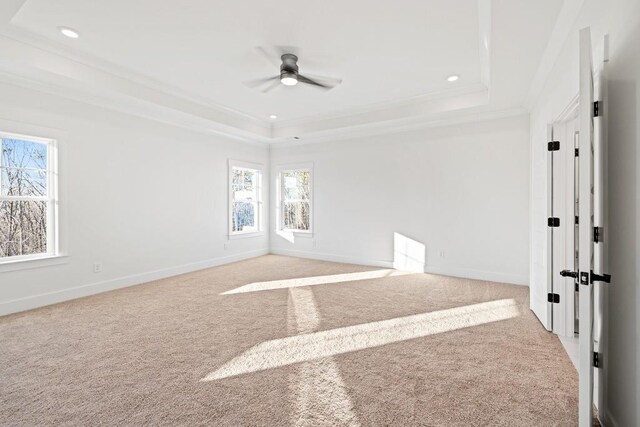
(394,57)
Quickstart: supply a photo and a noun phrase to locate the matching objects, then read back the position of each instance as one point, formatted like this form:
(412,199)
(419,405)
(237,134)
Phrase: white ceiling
(390,54)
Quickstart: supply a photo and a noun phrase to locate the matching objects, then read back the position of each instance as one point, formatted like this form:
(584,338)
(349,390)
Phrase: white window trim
(53,227)
(231,235)
(306,166)
(34,261)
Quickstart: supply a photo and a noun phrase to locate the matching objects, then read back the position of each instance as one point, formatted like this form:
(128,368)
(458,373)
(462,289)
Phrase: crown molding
(134,108)
(394,114)
(443,120)
(38,69)
(380,106)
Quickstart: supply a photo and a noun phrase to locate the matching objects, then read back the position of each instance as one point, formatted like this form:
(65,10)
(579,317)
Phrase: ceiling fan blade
(259,82)
(303,79)
(273,58)
(327,81)
(272,86)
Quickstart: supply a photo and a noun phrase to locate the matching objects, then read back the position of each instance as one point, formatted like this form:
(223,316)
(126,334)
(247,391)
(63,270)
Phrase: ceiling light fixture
(288,80)
(453,78)
(273,116)
(69,32)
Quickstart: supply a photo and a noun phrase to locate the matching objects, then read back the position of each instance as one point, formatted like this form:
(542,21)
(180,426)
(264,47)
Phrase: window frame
(294,167)
(240,164)
(53,241)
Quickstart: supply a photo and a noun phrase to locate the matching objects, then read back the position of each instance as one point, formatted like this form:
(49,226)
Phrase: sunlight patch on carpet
(316,280)
(312,346)
(319,392)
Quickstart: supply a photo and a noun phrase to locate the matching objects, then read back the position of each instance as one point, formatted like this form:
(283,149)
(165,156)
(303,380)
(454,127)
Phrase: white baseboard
(446,271)
(333,258)
(35,301)
(28,303)
(490,276)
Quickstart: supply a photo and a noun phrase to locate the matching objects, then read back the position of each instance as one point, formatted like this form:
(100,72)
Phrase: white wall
(462,190)
(621,20)
(145,199)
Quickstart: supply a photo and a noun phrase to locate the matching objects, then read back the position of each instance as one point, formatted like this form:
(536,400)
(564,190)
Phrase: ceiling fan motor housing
(289,67)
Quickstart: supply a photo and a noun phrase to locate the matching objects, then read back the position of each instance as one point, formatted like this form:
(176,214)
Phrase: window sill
(29,263)
(297,233)
(245,235)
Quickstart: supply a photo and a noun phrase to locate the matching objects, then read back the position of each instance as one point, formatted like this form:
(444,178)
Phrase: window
(295,199)
(245,198)
(27,197)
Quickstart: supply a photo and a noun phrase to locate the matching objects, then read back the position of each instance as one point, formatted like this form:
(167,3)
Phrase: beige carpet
(278,341)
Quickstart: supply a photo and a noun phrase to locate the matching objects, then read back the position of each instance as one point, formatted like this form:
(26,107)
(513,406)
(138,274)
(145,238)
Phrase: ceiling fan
(289,74)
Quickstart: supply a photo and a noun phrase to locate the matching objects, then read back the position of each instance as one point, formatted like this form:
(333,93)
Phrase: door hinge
(553,298)
(553,222)
(596,359)
(577,152)
(597,106)
(598,234)
(553,145)
(577,220)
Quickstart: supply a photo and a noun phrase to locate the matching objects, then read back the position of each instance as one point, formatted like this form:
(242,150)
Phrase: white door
(585,254)
(592,216)
(552,295)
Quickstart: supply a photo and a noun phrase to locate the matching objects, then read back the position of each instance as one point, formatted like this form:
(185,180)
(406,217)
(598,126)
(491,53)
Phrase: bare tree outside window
(296,200)
(245,188)
(23,197)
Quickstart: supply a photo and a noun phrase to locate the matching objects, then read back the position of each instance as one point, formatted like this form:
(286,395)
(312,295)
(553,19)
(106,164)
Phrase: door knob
(569,273)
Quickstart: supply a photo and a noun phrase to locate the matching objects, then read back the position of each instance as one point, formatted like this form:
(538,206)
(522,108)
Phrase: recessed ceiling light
(453,78)
(69,32)
(273,116)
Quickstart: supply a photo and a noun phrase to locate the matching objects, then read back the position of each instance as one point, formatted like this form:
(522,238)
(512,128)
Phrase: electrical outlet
(97,267)
(315,243)
(226,246)
(441,254)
